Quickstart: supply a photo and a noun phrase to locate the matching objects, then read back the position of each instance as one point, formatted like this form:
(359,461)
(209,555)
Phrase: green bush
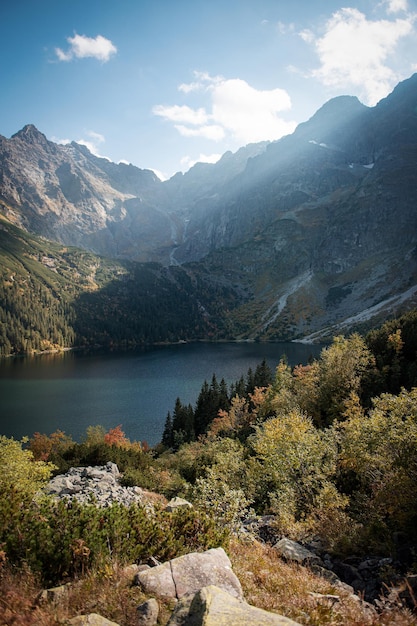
(61,539)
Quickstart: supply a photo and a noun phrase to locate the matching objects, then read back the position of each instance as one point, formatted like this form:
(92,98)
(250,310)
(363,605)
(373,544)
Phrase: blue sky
(165,83)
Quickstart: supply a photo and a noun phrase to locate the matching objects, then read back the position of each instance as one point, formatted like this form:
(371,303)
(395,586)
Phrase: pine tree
(263,375)
(168,434)
(183,421)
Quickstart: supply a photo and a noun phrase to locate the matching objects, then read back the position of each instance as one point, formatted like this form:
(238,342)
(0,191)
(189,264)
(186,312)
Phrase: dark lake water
(72,391)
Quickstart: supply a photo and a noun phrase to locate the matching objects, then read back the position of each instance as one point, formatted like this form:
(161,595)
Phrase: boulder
(93,619)
(189,573)
(157,581)
(212,606)
(293,551)
(147,613)
(178,503)
(54,595)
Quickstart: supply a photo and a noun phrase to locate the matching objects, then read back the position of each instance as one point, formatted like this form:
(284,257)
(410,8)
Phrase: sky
(163,84)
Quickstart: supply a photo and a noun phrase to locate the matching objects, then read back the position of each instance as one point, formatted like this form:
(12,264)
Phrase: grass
(268,582)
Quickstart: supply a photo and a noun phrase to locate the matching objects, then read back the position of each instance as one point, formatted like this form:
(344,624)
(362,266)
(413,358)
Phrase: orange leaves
(116,437)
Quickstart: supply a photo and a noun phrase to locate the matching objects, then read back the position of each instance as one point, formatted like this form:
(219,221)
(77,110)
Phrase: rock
(53,595)
(349,574)
(99,484)
(93,619)
(263,527)
(326,573)
(404,593)
(130,571)
(293,551)
(178,503)
(328,599)
(147,613)
(157,581)
(212,606)
(189,573)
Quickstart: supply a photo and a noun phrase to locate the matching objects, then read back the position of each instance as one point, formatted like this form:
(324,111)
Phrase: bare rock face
(293,551)
(66,194)
(212,606)
(178,503)
(189,573)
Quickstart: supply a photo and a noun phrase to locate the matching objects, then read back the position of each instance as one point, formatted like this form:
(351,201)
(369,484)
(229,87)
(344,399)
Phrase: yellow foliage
(20,473)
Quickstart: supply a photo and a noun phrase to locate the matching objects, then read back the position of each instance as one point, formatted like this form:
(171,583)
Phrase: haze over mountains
(310,235)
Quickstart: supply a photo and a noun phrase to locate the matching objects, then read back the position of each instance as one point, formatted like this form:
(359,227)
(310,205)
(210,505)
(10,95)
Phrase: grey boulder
(212,606)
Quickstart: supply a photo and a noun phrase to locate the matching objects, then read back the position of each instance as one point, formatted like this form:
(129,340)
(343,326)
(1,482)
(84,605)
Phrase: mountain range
(300,238)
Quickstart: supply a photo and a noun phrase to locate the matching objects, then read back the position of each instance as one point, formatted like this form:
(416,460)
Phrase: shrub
(61,539)
(297,462)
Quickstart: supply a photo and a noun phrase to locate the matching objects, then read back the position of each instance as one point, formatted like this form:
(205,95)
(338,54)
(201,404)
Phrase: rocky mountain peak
(333,116)
(31,135)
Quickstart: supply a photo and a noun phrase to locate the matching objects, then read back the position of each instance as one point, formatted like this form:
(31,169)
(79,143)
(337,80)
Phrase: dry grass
(267,582)
(108,593)
(271,584)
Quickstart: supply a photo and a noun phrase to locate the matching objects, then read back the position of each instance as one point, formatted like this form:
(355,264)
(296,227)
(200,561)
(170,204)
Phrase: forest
(54,297)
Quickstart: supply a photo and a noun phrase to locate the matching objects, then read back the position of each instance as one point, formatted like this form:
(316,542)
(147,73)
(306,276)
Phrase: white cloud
(82,47)
(183,114)
(234,108)
(93,143)
(354,51)
(285,29)
(307,35)
(395,6)
(251,115)
(203,82)
(213,131)
(187,161)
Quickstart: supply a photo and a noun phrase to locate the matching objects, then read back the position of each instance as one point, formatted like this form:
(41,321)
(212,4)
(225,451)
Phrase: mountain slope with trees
(54,297)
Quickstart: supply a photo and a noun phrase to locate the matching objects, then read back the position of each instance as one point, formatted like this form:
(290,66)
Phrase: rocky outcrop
(212,606)
(293,551)
(178,503)
(189,573)
(363,576)
(100,485)
(208,593)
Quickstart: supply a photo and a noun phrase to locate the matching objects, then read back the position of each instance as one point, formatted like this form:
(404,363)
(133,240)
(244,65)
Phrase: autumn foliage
(116,437)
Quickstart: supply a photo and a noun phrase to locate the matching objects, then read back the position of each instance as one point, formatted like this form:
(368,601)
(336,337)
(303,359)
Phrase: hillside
(307,482)
(54,297)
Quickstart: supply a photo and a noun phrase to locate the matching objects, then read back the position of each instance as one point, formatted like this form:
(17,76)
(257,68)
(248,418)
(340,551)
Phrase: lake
(72,391)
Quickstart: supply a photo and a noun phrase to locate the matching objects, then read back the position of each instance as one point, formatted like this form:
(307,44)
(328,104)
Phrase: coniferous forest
(53,297)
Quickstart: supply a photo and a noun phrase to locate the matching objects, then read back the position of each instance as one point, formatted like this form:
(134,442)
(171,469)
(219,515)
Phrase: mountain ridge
(309,231)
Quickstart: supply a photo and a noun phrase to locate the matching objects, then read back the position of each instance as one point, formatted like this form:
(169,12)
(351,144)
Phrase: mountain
(309,236)
(68,195)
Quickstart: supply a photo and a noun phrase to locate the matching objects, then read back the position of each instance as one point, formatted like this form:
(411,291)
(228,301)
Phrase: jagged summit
(30,134)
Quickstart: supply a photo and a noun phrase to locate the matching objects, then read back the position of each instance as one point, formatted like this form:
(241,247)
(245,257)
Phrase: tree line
(187,423)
